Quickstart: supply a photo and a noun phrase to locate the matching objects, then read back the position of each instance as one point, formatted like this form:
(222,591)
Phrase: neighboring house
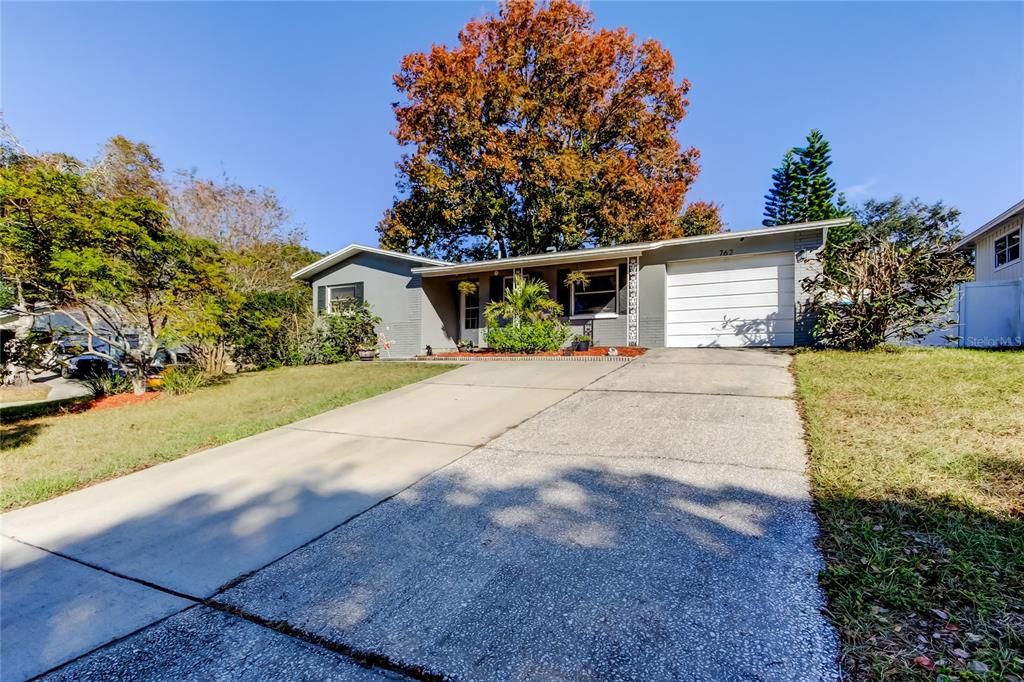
(990,310)
(729,289)
(997,246)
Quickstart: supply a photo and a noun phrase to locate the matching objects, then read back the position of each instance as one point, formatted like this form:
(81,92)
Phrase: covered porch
(605,307)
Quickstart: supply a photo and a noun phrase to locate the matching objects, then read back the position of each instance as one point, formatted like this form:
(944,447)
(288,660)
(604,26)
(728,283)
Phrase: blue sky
(923,99)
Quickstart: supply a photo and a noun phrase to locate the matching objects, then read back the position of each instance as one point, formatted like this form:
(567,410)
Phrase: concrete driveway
(541,520)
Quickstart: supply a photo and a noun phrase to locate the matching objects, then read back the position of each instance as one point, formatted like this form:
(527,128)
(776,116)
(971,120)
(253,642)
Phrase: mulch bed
(594,352)
(118,400)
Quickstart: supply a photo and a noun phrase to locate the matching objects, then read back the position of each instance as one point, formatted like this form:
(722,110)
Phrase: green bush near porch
(528,337)
(526,319)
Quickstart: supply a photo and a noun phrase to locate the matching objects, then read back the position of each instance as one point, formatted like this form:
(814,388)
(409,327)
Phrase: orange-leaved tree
(537,130)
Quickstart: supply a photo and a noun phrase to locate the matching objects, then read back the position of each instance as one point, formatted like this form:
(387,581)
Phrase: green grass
(47,456)
(917,468)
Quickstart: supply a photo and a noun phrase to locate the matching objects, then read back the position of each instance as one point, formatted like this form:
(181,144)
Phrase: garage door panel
(732,301)
(727,340)
(727,302)
(773,285)
(716,315)
(767,272)
(733,326)
(728,263)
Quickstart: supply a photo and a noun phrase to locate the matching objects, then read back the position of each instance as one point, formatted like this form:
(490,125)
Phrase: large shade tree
(538,130)
(109,259)
(262,244)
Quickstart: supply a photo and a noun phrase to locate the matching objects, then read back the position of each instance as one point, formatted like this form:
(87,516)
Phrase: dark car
(86,365)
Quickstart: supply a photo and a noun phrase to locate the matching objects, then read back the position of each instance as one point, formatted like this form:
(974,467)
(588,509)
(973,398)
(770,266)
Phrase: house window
(600,297)
(1008,249)
(340,297)
(471,310)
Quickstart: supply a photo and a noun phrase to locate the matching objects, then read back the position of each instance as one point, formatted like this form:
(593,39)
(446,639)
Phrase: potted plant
(577,277)
(366,351)
(581,342)
(467,287)
(464,345)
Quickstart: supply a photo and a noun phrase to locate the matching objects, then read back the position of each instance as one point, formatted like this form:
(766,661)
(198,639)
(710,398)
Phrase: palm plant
(528,300)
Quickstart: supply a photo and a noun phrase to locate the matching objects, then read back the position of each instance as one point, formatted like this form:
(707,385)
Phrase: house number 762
(725,252)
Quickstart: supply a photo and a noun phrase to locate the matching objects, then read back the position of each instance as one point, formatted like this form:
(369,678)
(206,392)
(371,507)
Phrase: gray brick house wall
(391,289)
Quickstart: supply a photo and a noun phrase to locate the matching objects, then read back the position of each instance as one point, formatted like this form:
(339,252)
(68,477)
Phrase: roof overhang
(333,259)
(1005,215)
(620,251)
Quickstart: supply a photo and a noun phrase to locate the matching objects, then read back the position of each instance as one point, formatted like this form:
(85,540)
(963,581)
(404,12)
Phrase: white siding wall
(985,254)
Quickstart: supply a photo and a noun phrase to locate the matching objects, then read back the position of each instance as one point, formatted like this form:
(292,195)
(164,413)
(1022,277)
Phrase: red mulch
(118,400)
(595,351)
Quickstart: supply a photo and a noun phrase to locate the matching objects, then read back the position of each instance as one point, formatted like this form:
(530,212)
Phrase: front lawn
(917,468)
(44,457)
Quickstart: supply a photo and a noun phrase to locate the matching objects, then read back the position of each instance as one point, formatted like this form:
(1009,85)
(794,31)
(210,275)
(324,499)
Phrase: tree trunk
(138,382)
(211,357)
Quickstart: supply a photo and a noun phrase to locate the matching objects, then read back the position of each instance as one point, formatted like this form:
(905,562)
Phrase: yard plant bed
(109,402)
(47,456)
(917,470)
(592,352)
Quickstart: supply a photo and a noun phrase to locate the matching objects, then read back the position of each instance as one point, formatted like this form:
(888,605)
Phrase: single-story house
(729,289)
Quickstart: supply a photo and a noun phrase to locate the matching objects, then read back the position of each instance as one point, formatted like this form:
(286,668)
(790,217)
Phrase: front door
(469,317)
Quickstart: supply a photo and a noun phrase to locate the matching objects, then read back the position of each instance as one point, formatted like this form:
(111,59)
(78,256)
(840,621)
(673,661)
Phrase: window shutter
(623,289)
(321,299)
(359,292)
(494,293)
(562,291)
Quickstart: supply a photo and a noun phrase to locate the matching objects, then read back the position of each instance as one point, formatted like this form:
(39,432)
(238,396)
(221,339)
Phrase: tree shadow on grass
(17,435)
(927,577)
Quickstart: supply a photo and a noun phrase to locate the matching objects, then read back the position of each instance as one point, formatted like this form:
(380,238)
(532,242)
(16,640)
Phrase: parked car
(165,360)
(87,364)
(78,362)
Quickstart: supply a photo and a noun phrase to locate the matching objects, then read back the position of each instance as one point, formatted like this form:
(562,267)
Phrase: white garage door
(732,301)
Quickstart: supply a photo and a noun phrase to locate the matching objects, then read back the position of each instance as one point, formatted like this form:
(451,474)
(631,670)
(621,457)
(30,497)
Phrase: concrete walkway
(59,389)
(98,564)
(649,520)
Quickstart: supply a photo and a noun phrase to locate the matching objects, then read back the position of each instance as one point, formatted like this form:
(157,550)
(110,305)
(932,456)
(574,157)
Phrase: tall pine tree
(779,203)
(818,188)
(802,190)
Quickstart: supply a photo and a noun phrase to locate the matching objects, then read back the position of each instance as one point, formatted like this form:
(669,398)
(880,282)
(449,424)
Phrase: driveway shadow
(519,566)
(504,566)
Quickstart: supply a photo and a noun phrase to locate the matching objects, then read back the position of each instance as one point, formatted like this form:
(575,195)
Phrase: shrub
(182,380)
(891,277)
(525,320)
(103,382)
(528,300)
(272,328)
(528,337)
(337,336)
